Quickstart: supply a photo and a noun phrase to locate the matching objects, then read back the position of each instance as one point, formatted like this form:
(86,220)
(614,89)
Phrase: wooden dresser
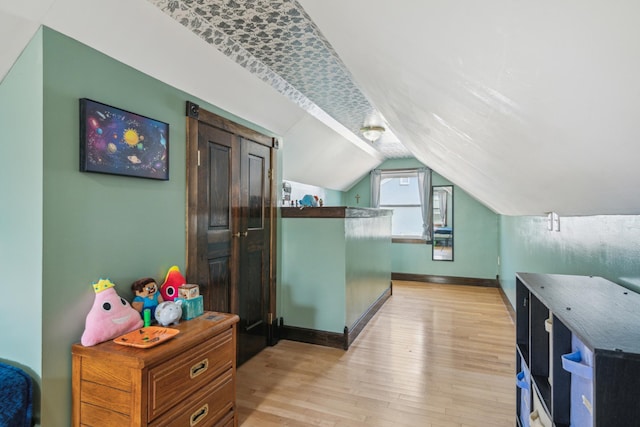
(187,381)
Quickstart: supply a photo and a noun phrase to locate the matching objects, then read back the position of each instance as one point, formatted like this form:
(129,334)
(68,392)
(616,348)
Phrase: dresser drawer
(227,421)
(95,416)
(189,381)
(211,406)
(178,378)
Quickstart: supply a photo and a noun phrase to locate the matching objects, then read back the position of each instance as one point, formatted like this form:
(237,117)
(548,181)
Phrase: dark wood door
(229,236)
(253,238)
(216,219)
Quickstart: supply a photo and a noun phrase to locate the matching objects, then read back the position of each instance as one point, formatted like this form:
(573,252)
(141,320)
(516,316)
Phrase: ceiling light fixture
(372,133)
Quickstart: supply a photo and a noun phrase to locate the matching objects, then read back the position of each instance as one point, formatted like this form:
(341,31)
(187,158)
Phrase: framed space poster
(119,142)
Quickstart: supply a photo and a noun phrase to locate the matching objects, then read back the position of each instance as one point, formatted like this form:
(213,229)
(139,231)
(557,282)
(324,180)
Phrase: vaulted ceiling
(528,106)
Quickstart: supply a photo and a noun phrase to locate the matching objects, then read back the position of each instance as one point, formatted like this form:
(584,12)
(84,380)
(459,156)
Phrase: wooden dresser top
(192,333)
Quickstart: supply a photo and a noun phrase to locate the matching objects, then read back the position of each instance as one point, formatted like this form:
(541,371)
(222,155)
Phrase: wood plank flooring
(433,356)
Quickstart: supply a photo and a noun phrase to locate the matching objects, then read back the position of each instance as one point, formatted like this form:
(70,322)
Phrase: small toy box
(188,291)
(192,307)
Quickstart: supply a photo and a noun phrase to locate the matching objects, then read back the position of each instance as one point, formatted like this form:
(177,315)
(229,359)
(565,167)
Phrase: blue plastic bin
(523,381)
(580,364)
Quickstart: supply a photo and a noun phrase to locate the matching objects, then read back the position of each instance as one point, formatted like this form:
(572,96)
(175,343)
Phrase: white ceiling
(528,106)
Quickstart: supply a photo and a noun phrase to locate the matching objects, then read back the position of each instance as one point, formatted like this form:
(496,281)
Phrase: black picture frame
(118,142)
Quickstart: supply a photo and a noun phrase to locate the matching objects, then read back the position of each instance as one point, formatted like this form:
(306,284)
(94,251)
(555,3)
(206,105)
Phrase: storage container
(580,364)
(539,417)
(523,381)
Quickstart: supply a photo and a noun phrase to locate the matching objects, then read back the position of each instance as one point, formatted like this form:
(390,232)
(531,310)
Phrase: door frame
(194,274)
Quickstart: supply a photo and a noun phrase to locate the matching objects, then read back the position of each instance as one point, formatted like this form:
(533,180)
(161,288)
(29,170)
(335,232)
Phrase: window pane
(392,192)
(400,193)
(406,221)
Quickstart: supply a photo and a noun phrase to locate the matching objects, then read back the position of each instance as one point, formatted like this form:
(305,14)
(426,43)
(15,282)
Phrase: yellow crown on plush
(102,285)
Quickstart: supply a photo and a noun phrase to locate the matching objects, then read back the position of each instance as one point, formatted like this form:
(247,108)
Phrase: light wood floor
(433,356)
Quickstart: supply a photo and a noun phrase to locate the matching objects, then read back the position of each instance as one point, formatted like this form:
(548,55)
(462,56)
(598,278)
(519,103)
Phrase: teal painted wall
(368,275)
(312,294)
(299,190)
(604,246)
(70,228)
(333,270)
(334,198)
(476,234)
(21,130)
(99,225)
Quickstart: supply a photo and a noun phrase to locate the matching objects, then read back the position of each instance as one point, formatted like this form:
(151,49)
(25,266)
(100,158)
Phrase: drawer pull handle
(199,415)
(199,368)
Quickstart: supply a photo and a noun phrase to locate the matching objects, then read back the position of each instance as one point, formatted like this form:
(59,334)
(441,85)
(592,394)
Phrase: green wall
(21,131)
(69,228)
(476,233)
(368,275)
(312,295)
(604,246)
(334,198)
(99,225)
(334,270)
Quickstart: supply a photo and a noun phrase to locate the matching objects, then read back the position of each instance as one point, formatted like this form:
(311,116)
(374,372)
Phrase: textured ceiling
(528,107)
(279,43)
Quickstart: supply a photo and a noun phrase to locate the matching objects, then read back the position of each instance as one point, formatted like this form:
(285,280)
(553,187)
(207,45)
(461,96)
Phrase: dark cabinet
(578,351)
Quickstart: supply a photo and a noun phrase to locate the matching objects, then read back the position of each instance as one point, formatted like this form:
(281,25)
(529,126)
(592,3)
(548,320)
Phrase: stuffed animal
(309,201)
(109,317)
(172,281)
(169,312)
(147,295)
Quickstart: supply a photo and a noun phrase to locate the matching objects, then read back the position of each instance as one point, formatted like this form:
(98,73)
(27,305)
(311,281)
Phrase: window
(403,191)
(401,195)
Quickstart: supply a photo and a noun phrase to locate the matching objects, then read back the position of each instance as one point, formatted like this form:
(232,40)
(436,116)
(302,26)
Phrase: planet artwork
(119,142)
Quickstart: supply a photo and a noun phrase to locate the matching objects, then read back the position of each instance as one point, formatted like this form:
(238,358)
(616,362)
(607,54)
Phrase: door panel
(217,167)
(252,312)
(255,214)
(219,279)
(253,286)
(219,187)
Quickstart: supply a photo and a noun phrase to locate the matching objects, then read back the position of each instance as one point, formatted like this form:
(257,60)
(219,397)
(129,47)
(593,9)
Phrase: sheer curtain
(376,177)
(424,187)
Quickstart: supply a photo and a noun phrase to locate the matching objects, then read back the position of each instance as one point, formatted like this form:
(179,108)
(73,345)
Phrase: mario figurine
(147,295)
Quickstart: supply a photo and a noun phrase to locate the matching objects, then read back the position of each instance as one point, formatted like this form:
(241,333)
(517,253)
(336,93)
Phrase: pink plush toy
(109,317)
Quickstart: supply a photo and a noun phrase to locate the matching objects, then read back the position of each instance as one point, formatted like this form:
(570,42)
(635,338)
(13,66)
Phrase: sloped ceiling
(139,34)
(528,106)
